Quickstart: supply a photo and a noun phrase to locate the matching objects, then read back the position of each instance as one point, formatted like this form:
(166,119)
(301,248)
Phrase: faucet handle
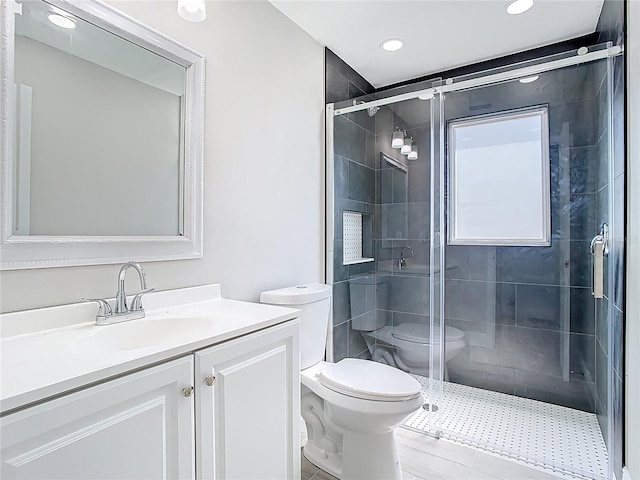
(104,309)
(136,303)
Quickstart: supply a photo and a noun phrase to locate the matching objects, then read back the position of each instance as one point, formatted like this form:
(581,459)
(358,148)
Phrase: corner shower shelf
(358,260)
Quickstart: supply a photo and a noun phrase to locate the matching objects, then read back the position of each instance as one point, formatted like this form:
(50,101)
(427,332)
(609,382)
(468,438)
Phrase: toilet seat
(419,333)
(369,381)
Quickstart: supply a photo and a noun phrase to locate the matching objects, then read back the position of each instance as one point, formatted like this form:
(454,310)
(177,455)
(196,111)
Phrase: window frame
(453,238)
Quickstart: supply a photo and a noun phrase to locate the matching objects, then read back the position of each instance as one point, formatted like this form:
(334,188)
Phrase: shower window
(499,179)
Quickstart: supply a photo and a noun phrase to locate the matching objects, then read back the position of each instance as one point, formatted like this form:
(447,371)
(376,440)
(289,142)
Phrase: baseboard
(625,474)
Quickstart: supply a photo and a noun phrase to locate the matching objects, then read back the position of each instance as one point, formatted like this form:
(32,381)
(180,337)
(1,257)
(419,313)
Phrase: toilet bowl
(407,346)
(351,407)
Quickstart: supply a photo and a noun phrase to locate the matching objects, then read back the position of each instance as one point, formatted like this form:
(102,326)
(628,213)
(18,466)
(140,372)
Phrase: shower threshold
(562,440)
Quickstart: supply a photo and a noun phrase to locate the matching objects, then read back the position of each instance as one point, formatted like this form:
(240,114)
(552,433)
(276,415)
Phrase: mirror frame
(41,251)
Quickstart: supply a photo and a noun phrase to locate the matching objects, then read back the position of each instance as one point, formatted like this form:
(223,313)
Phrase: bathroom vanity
(203,387)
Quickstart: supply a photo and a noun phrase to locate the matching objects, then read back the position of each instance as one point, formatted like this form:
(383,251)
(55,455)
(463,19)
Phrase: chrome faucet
(122,313)
(402,261)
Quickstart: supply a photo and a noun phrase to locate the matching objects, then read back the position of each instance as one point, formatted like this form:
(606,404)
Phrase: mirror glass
(99,136)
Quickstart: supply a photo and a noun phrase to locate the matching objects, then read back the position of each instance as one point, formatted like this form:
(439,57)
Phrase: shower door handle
(599,250)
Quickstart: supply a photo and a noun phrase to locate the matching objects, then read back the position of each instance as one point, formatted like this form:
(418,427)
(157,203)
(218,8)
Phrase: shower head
(371,110)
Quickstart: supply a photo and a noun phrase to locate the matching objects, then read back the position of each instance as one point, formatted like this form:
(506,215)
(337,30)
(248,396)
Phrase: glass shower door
(536,378)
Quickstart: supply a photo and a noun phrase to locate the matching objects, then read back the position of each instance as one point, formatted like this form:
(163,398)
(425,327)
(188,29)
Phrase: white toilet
(350,407)
(406,346)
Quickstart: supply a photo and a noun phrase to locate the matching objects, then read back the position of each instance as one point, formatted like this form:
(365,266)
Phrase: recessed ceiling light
(529,79)
(391,45)
(60,21)
(519,6)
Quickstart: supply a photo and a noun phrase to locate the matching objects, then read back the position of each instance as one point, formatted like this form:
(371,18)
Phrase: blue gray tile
(418,220)
(361,183)
(602,323)
(340,341)
(357,344)
(341,303)
(349,140)
(409,294)
(579,117)
(555,390)
(574,217)
(582,359)
(528,349)
(419,181)
(394,222)
(582,305)
(477,301)
(618,341)
(537,265)
(399,318)
(618,427)
(384,120)
(336,86)
(340,271)
(341,177)
(573,170)
(616,255)
(360,269)
(618,224)
(579,263)
(539,306)
(490,377)
(601,376)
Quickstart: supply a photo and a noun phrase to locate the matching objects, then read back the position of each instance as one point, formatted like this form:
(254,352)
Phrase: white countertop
(40,355)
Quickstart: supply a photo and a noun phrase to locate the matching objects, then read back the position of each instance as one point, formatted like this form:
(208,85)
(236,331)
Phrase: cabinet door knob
(210,380)
(188,391)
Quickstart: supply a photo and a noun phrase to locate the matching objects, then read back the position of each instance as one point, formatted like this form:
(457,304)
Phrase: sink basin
(138,334)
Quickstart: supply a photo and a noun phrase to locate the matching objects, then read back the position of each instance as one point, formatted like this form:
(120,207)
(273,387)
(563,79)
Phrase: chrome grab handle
(599,249)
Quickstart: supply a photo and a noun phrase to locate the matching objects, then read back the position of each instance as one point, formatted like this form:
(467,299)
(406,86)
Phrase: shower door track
(490,78)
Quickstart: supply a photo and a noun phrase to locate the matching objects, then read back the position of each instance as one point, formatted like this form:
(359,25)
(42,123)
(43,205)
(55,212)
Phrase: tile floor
(425,458)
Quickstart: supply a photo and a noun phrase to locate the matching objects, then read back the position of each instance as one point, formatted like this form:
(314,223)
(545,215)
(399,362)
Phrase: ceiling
(438,35)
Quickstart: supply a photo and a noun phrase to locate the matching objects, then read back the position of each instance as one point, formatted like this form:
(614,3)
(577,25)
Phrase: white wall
(263,193)
(632,308)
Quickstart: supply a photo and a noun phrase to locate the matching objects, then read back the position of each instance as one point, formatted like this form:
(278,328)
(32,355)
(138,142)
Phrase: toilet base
(332,464)
(365,456)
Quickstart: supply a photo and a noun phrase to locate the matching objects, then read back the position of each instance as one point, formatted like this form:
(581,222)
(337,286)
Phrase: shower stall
(485,257)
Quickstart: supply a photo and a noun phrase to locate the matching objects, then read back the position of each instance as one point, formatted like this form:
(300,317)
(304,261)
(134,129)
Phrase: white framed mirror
(102,127)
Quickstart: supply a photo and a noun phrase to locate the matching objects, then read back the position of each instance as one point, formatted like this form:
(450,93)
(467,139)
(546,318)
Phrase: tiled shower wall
(611,29)
(402,224)
(354,187)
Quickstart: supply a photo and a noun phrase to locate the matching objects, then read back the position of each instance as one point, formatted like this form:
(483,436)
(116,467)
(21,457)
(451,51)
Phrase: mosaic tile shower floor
(569,441)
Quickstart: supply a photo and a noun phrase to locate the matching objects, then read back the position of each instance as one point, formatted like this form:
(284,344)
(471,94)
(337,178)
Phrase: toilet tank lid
(298,295)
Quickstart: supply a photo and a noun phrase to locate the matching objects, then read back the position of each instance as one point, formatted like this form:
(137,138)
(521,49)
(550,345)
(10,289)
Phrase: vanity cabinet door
(139,426)
(248,407)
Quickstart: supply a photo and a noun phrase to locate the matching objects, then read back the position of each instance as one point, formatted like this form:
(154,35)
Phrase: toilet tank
(314,302)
